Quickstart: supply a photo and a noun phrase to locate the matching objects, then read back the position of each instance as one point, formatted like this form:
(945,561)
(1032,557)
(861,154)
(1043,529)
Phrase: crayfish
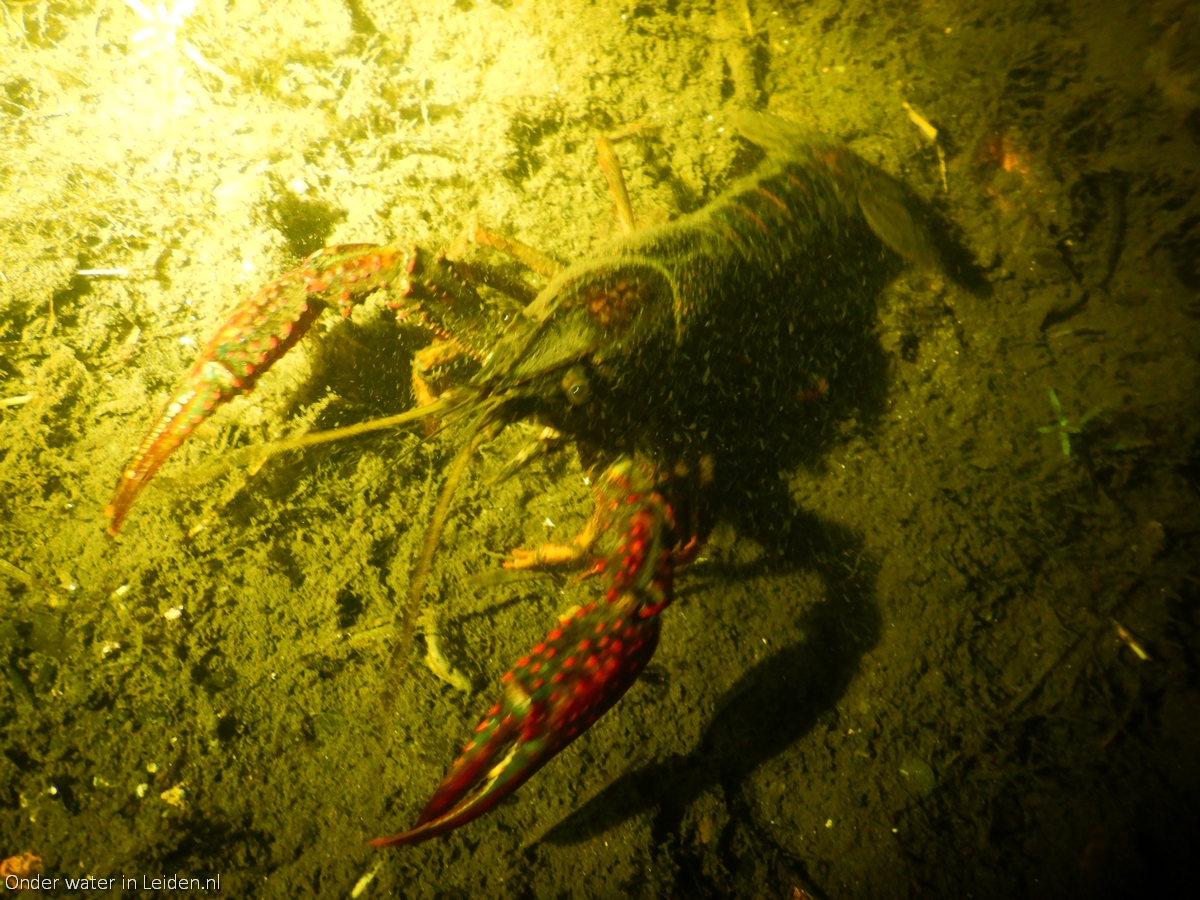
(643,355)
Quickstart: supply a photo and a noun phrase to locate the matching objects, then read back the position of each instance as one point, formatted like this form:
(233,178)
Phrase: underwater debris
(7,568)
(1063,427)
(174,796)
(20,866)
(931,134)
(1131,642)
(361,885)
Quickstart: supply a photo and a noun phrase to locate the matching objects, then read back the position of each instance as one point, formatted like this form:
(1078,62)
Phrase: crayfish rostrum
(657,357)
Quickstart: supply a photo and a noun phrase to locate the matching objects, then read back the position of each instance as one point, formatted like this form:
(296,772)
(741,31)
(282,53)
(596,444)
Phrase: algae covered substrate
(949,649)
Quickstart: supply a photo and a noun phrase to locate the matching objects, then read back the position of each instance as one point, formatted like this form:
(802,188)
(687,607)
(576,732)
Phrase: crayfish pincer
(663,358)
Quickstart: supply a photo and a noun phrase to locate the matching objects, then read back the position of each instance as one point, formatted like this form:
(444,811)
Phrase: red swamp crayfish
(636,354)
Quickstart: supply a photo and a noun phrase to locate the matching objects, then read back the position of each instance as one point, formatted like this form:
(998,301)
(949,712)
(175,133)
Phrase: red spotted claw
(267,325)
(585,664)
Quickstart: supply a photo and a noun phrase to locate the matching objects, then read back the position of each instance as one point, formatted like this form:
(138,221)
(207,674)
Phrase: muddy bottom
(948,647)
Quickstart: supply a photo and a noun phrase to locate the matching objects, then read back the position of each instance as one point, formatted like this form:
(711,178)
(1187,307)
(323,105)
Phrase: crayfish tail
(885,204)
(890,215)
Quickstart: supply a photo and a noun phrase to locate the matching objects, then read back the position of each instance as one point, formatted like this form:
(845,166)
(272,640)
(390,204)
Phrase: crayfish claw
(259,332)
(467,791)
(551,696)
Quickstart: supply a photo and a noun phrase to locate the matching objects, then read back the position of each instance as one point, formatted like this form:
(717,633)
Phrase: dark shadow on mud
(207,847)
(957,262)
(825,378)
(771,706)
(774,419)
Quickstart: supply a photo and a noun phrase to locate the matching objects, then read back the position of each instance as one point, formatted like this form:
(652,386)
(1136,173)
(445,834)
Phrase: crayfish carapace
(631,355)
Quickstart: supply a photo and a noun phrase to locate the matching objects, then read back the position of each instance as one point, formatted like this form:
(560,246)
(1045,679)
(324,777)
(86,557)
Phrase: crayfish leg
(610,165)
(523,253)
(424,362)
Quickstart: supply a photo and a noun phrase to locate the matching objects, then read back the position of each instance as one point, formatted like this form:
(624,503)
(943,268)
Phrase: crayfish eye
(575,386)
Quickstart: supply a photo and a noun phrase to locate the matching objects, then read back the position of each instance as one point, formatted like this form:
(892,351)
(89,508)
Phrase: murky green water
(895,670)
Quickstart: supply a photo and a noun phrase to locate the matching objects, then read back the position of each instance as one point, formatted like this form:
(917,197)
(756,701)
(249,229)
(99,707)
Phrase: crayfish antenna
(548,441)
(406,616)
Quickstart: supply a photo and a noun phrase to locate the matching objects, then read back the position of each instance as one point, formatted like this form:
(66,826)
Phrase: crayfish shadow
(770,707)
(771,428)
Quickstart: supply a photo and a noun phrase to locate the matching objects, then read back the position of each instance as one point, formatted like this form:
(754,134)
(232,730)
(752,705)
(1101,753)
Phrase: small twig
(921,122)
(1131,642)
(610,165)
(361,885)
(931,134)
(12,571)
